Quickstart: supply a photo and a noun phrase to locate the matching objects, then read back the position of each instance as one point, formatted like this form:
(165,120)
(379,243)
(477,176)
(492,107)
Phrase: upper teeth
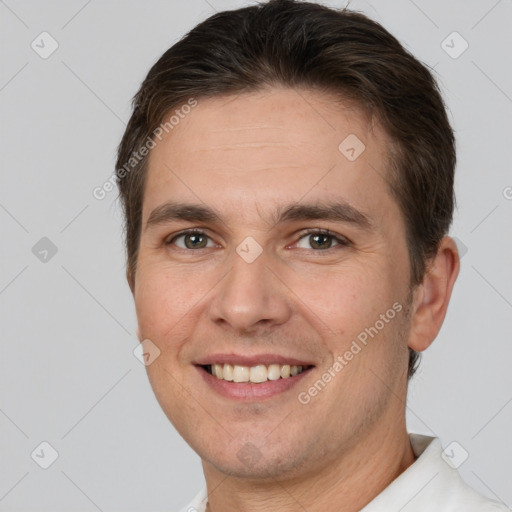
(255,374)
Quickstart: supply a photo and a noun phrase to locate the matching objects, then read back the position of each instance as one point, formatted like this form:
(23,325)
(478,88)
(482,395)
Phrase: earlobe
(432,296)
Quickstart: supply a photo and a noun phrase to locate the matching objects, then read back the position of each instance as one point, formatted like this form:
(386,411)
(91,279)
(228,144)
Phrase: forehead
(271,146)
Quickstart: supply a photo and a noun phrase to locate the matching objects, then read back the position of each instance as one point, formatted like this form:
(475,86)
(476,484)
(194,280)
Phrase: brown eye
(191,240)
(320,240)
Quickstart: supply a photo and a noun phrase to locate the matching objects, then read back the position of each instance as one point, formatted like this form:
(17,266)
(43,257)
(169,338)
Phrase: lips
(251,377)
(256,368)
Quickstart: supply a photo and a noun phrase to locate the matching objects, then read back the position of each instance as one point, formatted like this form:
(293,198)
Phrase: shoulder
(466,499)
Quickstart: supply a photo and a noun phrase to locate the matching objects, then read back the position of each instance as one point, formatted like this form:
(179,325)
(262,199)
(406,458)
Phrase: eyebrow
(338,211)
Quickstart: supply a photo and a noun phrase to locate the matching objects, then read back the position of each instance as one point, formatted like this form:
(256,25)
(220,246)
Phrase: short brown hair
(301,44)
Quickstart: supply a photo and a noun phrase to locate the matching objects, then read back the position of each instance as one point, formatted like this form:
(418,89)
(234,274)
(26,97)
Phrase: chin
(264,469)
(247,461)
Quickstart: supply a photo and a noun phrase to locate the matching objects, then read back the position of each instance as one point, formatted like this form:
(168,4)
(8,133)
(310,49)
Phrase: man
(287,182)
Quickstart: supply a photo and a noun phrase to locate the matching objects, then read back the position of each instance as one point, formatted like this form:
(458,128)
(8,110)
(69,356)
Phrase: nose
(251,296)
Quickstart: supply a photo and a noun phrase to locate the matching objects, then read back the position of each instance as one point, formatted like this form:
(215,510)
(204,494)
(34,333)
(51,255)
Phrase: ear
(431,297)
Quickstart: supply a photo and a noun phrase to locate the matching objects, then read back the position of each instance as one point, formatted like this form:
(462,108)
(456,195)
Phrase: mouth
(255,374)
(251,379)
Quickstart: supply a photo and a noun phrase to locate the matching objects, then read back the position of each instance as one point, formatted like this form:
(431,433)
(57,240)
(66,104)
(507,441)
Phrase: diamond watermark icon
(44,455)
(351,147)
(249,454)
(454,454)
(44,250)
(44,45)
(249,249)
(146,352)
(454,45)
(461,246)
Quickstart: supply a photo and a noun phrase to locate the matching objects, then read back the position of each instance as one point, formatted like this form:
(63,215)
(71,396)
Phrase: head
(261,127)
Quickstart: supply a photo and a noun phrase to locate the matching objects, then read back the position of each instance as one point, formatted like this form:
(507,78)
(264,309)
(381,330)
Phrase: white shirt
(430,484)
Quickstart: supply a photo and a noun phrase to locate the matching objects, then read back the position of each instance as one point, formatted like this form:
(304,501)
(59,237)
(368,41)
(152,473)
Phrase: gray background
(68,374)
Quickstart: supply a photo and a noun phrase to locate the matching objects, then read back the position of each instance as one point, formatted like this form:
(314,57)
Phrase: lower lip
(247,391)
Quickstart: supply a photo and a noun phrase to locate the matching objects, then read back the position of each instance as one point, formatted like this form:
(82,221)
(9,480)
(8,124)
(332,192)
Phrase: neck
(346,484)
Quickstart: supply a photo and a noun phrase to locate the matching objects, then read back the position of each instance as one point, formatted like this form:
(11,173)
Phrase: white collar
(429,484)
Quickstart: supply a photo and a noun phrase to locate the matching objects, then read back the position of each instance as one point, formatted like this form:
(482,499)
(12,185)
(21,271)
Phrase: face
(266,245)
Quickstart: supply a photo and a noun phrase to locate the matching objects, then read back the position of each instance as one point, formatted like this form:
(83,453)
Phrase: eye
(192,239)
(322,239)
(317,239)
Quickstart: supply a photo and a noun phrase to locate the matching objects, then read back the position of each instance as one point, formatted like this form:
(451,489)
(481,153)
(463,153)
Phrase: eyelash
(341,241)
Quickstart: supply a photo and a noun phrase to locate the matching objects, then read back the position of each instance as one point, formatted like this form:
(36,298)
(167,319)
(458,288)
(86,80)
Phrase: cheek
(348,298)
(163,300)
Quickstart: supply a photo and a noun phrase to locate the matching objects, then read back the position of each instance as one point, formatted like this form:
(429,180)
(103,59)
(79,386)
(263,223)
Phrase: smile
(252,383)
(255,374)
